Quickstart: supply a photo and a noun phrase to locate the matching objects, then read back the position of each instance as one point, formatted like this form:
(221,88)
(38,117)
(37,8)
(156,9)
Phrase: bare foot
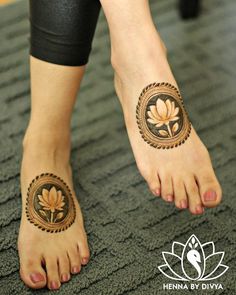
(52,241)
(168,152)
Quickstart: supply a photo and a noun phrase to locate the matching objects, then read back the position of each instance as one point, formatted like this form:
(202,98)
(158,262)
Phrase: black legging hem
(65,57)
(61,31)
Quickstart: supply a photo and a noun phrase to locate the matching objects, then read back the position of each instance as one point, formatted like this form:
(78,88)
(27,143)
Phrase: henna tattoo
(161,116)
(49,203)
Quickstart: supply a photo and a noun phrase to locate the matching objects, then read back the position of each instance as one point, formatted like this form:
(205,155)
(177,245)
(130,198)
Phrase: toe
(84,250)
(64,268)
(52,273)
(32,273)
(181,200)
(75,261)
(194,199)
(210,189)
(167,192)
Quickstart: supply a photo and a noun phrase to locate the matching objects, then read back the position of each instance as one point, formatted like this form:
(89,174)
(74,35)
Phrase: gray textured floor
(127,227)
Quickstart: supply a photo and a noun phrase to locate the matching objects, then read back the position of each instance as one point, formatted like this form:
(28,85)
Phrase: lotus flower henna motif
(163,113)
(52,200)
(161,116)
(49,203)
(191,263)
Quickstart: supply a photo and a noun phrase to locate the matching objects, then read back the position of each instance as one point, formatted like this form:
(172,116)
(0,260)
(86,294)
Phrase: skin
(189,182)
(46,258)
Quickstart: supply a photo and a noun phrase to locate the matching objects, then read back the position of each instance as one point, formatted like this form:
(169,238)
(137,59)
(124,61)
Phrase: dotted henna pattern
(161,116)
(49,204)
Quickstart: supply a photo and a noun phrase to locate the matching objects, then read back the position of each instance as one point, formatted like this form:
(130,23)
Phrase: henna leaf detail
(175,127)
(163,133)
(59,216)
(43,213)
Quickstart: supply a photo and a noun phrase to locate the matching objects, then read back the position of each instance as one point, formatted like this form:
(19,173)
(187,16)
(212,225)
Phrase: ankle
(46,142)
(141,51)
(141,65)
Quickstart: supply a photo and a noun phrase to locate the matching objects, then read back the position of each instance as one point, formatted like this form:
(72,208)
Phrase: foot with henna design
(52,241)
(168,152)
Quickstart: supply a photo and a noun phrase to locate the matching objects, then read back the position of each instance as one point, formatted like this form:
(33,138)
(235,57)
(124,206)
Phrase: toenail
(85,260)
(75,269)
(54,285)
(65,277)
(183,204)
(36,277)
(157,192)
(199,209)
(210,196)
(169,198)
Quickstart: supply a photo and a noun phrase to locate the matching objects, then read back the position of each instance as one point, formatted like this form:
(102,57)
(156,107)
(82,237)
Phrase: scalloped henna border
(158,146)
(27,204)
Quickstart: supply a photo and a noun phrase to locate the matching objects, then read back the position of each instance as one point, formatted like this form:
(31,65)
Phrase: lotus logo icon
(193,261)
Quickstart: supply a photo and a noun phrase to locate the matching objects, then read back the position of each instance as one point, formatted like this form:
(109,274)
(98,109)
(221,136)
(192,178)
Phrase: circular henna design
(161,116)
(49,204)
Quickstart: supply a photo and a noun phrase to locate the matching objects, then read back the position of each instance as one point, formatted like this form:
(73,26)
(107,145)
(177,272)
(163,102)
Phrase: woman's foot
(181,174)
(52,241)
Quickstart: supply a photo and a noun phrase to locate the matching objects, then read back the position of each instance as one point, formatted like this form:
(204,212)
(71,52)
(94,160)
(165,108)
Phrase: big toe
(33,274)
(210,189)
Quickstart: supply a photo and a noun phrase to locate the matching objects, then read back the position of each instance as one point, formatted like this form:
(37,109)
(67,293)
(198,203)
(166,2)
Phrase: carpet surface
(127,227)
